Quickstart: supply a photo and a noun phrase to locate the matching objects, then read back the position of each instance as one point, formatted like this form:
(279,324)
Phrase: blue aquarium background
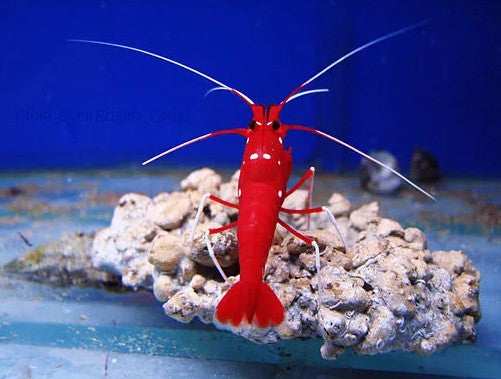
(73,105)
(77,120)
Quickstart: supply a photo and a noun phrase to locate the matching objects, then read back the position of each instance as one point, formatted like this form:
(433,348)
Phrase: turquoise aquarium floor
(88,332)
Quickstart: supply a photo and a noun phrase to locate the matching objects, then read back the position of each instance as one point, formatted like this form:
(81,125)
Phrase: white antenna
(186,67)
(337,140)
(353,52)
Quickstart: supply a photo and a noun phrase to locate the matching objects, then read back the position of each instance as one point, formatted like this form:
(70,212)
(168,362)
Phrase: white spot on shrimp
(239,192)
(254,156)
(266,156)
(247,141)
(257,122)
(280,140)
(279,163)
(280,194)
(269,123)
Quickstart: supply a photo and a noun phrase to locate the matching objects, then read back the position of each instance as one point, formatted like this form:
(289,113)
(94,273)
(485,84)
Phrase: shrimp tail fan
(250,303)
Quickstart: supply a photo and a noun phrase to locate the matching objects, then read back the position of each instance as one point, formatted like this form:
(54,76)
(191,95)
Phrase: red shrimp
(262,189)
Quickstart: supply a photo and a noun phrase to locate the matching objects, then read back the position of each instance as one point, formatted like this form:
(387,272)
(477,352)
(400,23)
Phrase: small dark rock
(13,191)
(424,166)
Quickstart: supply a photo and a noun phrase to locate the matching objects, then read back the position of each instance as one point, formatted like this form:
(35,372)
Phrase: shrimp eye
(276,125)
(252,125)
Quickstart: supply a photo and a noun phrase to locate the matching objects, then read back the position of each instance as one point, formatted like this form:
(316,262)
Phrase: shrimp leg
(213,230)
(309,174)
(332,219)
(201,206)
(312,242)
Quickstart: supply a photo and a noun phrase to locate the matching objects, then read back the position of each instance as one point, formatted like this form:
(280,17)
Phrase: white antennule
(216,89)
(186,67)
(337,140)
(306,93)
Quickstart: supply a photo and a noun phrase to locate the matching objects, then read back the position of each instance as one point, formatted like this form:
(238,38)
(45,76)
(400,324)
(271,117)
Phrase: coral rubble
(386,292)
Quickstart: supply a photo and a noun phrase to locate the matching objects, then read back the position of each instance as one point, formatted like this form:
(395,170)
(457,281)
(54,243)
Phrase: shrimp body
(266,168)
(265,171)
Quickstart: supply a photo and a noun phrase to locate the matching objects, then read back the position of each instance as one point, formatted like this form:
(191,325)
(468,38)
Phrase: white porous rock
(164,287)
(338,204)
(367,249)
(137,273)
(220,213)
(168,211)
(122,248)
(385,292)
(296,200)
(131,208)
(365,215)
(166,251)
(204,180)
(224,245)
(371,303)
(229,191)
(343,292)
(415,238)
(387,227)
(236,176)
